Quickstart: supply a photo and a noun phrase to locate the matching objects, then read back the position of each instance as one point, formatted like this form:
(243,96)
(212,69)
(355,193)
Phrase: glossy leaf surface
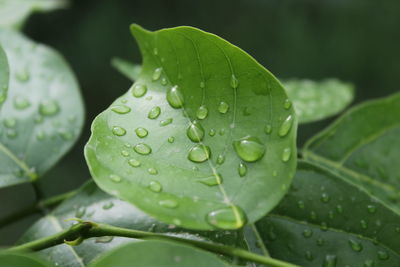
(13,13)
(4,77)
(364,146)
(21,260)
(160,254)
(326,220)
(204,139)
(318,100)
(43,114)
(92,204)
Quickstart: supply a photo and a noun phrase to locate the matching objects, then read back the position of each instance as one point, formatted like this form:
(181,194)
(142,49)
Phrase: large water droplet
(141,132)
(286,126)
(119,131)
(287,152)
(115,178)
(202,112)
(21,102)
(168,203)
(216,179)
(242,169)
(121,109)
(166,122)
(195,131)
(155,186)
(134,163)
(49,108)
(223,107)
(249,148)
(154,113)
(231,217)
(142,149)
(175,97)
(139,90)
(199,153)
(157,74)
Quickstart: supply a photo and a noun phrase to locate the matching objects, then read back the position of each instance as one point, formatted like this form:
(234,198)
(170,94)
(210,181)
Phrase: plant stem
(85,230)
(35,208)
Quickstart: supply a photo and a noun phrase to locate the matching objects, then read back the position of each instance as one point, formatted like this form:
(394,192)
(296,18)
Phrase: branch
(84,230)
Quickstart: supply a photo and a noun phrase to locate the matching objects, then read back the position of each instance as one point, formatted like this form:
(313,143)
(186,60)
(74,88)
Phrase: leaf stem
(84,230)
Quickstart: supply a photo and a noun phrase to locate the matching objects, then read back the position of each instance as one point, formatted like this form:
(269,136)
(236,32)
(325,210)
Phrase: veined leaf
(204,139)
(160,254)
(4,76)
(21,260)
(13,13)
(325,220)
(318,100)
(92,204)
(43,114)
(128,69)
(364,146)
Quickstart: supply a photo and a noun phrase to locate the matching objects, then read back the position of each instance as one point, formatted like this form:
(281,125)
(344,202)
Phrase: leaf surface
(92,204)
(127,68)
(211,142)
(325,220)
(21,260)
(4,76)
(43,114)
(318,100)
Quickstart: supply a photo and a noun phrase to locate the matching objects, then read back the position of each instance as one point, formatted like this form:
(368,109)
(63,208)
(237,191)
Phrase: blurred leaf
(4,76)
(92,204)
(205,139)
(364,147)
(21,260)
(14,13)
(43,114)
(160,254)
(318,100)
(128,69)
(325,220)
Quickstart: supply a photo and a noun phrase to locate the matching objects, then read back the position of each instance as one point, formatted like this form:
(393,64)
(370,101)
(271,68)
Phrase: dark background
(354,40)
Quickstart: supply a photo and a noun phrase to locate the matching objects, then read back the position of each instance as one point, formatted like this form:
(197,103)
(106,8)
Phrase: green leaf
(90,203)
(226,157)
(20,260)
(318,100)
(14,13)
(325,220)
(43,114)
(364,146)
(4,76)
(128,69)
(160,254)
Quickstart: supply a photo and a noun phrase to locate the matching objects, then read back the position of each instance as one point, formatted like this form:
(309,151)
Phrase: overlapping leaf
(43,114)
(205,138)
(4,76)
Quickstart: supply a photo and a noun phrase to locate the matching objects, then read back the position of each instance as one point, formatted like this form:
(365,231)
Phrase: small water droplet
(202,84)
(155,186)
(231,217)
(215,179)
(249,148)
(309,255)
(155,51)
(268,129)
(286,126)
(199,153)
(300,204)
(320,242)
(49,108)
(355,245)
(195,132)
(202,112)
(383,255)
(369,263)
(371,208)
(121,109)
(242,169)
(40,135)
(115,178)
(313,215)
(330,261)
(139,90)
(124,153)
(10,122)
(119,131)
(234,82)
(168,203)
(221,132)
(80,212)
(287,152)
(154,113)
(287,104)
(171,139)
(134,163)
(212,132)
(142,149)
(164,81)
(325,198)
(307,233)
(175,97)
(21,102)
(152,171)
(157,74)
(166,122)
(141,132)
(104,239)
(223,107)
(220,159)
(108,205)
(339,208)
(23,75)
(363,224)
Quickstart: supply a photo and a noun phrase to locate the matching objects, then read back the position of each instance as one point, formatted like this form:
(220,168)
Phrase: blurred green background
(354,40)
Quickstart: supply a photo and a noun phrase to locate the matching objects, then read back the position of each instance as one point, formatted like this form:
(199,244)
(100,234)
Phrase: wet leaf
(21,260)
(220,144)
(43,114)
(4,76)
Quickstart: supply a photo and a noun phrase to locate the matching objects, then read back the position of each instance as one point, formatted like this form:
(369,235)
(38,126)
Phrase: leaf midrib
(32,175)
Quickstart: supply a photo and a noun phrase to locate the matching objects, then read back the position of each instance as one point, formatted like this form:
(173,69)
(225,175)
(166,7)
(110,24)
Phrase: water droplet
(171,139)
(21,102)
(134,163)
(287,104)
(313,215)
(175,97)
(40,135)
(115,178)
(223,107)
(202,84)
(164,81)
(108,205)
(157,74)
(309,255)
(371,208)
(168,203)
(142,149)
(155,51)
(300,204)
(330,261)
(220,159)
(249,148)
(369,263)
(324,226)
(152,171)
(242,169)
(363,224)
(231,217)
(221,132)
(124,153)
(166,122)
(202,112)
(49,108)
(268,129)
(22,76)
(121,109)
(234,82)
(211,132)
(325,198)
(141,132)
(355,245)
(104,239)
(139,90)
(383,255)
(80,212)
(307,233)
(320,242)
(287,152)
(212,180)
(154,113)
(199,153)
(286,126)
(119,131)
(155,186)
(339,208)
(195,131)
(10,122)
